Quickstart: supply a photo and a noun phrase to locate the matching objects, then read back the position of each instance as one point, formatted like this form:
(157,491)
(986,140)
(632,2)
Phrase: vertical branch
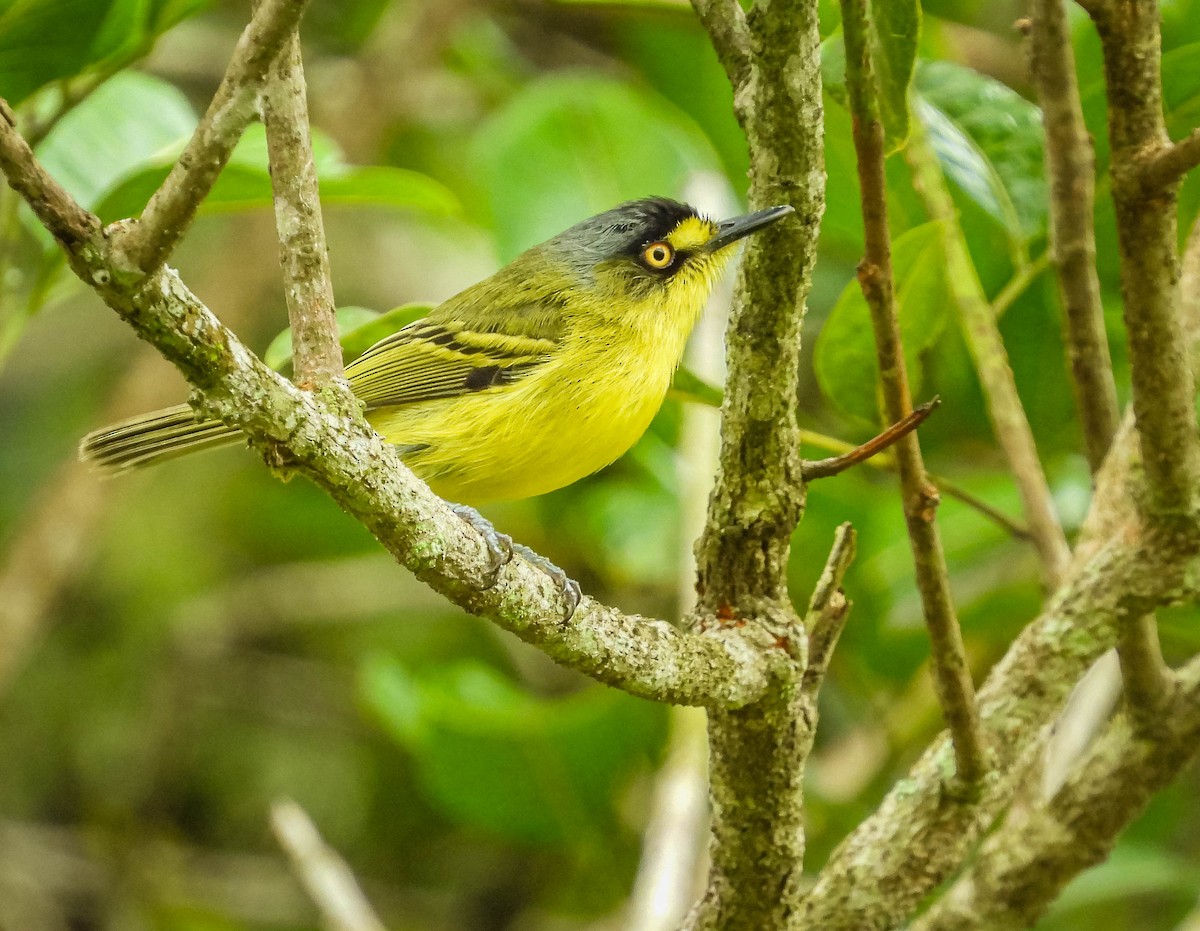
(302,250)
(757,753)
(1147,229)
(1070,162)
(1071,165)
(991,361)
(951,672)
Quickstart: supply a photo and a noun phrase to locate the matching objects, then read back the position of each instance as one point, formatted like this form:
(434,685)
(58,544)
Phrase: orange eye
(658,255)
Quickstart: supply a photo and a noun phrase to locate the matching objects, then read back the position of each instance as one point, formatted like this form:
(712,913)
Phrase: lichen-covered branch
(141,247)
(1071,166)
(756,754)
(341,454)
(1023,866)
(1168,165)
(920,834)
(1147,230)
(991,362)
(316,352)
(952,674)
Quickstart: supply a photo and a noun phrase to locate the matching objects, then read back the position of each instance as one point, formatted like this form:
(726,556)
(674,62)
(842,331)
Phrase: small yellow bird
(529,380)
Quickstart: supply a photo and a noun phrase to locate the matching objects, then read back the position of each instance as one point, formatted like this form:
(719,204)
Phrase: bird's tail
(153,438)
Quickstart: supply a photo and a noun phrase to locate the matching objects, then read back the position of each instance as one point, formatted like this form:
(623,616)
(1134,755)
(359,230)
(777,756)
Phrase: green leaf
(566,147)
(128,122)
(358,330)
(690,387)
(245,184)
(896,30)
(989,141)
(845,359)
(492,756)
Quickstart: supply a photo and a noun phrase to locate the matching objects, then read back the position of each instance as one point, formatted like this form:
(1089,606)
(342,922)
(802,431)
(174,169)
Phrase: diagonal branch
(363,474)
(952,674)
(139,248)
(835,465)
(1170,163)
(1024,865)
(303,254)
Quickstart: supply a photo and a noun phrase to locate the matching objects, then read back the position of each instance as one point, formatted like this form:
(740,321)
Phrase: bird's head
(654,251)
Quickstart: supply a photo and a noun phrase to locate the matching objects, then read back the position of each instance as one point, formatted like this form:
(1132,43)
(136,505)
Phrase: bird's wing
(456,351)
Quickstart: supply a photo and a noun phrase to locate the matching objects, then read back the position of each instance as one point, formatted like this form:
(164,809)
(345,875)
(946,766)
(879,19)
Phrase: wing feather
(456,350)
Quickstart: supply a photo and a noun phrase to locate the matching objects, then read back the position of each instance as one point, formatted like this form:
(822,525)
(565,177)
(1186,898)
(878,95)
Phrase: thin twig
(1071,166)
(828,608)
(887,462)
(316,353)
(325,875)
(140,248)
(991,361)
(1018,284)
(951,671)
(824,468)
(1169,164)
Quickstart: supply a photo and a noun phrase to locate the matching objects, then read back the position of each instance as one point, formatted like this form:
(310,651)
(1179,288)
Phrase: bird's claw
(568,588)
(499,545)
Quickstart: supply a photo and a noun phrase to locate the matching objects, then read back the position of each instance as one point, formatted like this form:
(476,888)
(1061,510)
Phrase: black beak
(730,231)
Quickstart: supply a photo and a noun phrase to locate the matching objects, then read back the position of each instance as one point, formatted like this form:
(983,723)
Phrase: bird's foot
(568,588)
(499,545)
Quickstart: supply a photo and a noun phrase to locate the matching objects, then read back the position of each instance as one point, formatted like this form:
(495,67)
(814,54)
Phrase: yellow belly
(546,431)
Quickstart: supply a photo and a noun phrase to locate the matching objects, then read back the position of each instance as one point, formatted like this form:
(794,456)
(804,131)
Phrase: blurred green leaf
(245,184)
(498,758)
(845,353)
(358,330)
(989,141)
(688,386)
(50,40)
(896,29)
(130,121)
(567,147)
(895,32)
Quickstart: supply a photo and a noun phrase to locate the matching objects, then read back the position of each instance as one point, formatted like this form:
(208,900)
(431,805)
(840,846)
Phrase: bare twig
(141,247)
(1071,165)
(828,608)
(1170,163)
(302,251)
(887,463)
(325,875)
(824,468)
(952,674)
(991,361)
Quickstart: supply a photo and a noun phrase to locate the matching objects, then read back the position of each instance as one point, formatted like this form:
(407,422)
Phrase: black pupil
(659,254)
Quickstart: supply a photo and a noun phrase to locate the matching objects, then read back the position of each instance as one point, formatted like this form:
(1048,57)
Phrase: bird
(542,374)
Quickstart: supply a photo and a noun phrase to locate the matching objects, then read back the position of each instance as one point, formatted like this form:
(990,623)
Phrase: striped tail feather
(153,438)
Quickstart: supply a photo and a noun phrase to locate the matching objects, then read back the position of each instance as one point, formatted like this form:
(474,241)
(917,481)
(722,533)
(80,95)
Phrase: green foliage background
(220,639)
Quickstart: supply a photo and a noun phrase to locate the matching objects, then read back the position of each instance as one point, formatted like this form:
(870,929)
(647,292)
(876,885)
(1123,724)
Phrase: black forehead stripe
(655,217)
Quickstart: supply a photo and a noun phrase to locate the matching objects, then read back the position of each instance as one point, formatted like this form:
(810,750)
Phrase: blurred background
(180,648)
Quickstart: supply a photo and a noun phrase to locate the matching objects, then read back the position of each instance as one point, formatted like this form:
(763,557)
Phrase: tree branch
(1169,164)
(1071,166)
(920,834)
(139,248)
(952,674)
(325,875)
(828,608)
(1147,230)
(362,473)
(1023,866)
(991,361)
(316,352)
(835,465)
